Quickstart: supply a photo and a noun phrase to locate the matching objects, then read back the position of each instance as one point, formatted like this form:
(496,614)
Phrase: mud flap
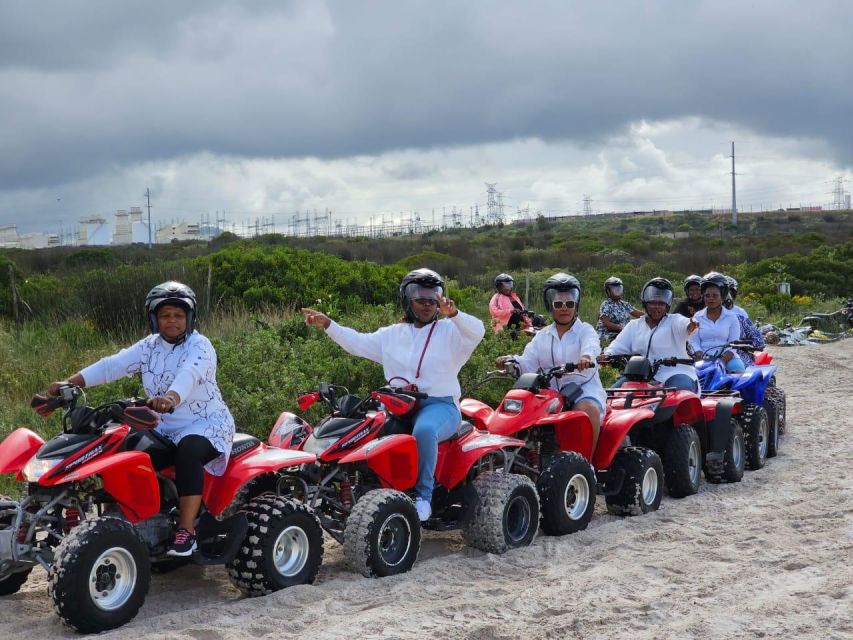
(720,434)
(219,540)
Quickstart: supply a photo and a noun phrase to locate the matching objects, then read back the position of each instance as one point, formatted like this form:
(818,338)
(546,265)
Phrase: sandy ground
(769,557)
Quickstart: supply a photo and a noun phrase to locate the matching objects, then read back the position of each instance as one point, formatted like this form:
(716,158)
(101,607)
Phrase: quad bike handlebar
(135,412)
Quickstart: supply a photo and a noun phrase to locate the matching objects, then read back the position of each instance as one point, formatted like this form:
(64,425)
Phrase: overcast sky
(369,108)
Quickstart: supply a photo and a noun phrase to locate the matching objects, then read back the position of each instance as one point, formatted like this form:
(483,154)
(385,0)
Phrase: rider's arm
(469,331)
(734,334)
(122,364)
(609,324)
(621,344)
(199,365)
(590,344)
(532,360)
(365,345)
(499,313)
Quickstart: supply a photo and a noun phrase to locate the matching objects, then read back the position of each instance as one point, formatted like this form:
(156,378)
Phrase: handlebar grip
(420,395)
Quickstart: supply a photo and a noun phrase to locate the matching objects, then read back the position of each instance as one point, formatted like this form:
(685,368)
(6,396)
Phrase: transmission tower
(491,203)
(838,193)
(587,205)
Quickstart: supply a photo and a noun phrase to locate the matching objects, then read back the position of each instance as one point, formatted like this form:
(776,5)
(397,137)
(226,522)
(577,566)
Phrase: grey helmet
(657,290)
(612,283)
(561,282)
(504,278)
(415,281)
(172,293)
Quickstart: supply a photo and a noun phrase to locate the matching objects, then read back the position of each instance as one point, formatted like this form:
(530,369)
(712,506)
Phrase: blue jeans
(735,365)
(437,420)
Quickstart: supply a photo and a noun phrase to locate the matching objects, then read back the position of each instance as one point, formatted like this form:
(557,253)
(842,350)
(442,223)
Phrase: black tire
(383,534)
(504,514)
(257,486)
(756,431)
(773,437)
(283,547)
(642,487)
(734,460)
(100,575)
(566,494)
(682,461)
(776,397)
(12,583)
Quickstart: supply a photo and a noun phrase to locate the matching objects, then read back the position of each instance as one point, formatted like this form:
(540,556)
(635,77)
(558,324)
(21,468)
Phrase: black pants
(193,453)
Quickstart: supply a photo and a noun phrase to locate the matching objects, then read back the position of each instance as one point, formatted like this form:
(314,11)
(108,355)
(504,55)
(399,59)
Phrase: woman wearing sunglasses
(567,340)
(423,350)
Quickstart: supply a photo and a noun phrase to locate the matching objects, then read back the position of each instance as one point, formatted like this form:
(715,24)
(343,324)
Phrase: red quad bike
(98,517)
(364,465)
(558,452)
(690,433)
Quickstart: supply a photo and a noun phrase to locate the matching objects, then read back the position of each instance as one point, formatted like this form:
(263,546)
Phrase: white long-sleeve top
(398,349)
(666,340)
(711,334)
(188,369)
(548,349)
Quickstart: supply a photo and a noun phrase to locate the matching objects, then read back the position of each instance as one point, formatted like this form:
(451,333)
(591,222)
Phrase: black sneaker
(183,545)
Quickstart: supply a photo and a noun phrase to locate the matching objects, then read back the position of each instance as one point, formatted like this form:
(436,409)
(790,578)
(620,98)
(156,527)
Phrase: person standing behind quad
(505,306)
(615,312)
(178,367)
(693,300)
(567,340)
(424,351)
(717,325)
(659,334)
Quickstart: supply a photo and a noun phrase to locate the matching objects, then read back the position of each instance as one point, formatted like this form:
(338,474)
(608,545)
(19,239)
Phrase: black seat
(335,427)
(464,429)
(242,443)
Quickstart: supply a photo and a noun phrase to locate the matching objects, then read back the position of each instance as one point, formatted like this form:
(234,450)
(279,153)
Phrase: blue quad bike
(764,402)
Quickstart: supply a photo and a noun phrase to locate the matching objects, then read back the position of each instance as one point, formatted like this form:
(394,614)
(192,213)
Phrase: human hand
(446,306)
(161,404)
(585,362)
(316,318)
(53,388)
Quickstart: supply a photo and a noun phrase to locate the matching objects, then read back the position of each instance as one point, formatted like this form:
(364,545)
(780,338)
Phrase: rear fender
(478,412)
(617,424)
(456,457)
(394,459)
(17,449)
(128,477)
(720,427)
(219,491)
(573,431)
(762,358)
(689,409)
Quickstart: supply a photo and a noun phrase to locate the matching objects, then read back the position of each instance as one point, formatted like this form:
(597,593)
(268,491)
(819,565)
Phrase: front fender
(573,431)
(455,458)
(617,424)
(394,459)
(17,449)
(479,412)
(219,491)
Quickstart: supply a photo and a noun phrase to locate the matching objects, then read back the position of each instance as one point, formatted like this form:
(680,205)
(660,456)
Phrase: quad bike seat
(242,443)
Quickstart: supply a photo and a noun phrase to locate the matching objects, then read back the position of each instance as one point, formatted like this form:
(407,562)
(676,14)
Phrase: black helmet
(657,290)
(504,278)
(715,279)
(733,286)
(611,283)
(693,279)
(413,283)
(561,282)
(172,293)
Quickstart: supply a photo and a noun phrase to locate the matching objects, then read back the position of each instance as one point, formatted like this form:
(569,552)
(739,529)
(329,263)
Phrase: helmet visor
(615,289)
(571,295)
(655,294)
(415,291)
(505,285)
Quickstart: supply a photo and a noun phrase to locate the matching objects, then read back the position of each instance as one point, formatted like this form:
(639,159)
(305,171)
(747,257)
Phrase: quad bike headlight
(513,406)
(37,467)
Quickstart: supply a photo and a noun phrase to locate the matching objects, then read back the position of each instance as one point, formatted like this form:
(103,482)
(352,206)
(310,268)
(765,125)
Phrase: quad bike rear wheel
(756,431)
(682,461)
(504,513)
(283,547)
(100,575)
(776,397)
(773,424)
(566,493)
(13,582)
(734,460)
(383,534)
(642,486)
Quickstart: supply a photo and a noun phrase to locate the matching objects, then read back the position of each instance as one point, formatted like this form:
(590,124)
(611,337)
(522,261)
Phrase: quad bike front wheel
(504,514)
(776,396)
(283,547)
(773,427)
(756,432)
(100,575)
(642,487)
(734,460)
(383,534)
(682,461)
(567,494)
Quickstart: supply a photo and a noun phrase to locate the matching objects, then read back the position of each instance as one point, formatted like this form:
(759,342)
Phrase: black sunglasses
(559,304)
(427,302)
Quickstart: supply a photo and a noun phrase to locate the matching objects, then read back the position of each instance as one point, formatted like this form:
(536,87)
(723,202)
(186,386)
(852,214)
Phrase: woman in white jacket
(424,351)
(178,368)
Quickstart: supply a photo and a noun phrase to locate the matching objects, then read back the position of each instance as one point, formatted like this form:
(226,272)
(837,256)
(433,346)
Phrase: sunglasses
(711,294)
(427,302)
(559,304)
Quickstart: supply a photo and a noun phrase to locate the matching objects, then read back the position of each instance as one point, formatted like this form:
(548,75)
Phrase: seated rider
(505,306)
(748,331)
(614,312)
(657,335)
(717,325)
(422,350)
(693,297)
(178,367)
(567,340)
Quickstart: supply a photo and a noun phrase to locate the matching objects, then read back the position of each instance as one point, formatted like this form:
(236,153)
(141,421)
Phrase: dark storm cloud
(92,85)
